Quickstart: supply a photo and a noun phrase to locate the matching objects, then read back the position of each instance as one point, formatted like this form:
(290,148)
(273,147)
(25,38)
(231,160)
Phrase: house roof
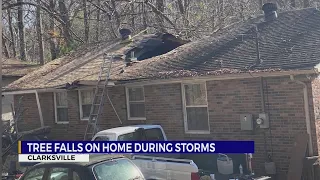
(15,67)
(291,42)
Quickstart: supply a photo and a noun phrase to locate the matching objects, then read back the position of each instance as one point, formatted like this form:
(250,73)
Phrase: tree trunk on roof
(39,33)
(54,49)
(85,21)
(21,32)
(13,46)
(66,23)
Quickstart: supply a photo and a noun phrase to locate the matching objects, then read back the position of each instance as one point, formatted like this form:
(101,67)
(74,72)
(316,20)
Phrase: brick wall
(226,101)
(30,118)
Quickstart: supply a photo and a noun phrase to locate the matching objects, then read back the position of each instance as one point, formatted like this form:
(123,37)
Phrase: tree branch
(155,10)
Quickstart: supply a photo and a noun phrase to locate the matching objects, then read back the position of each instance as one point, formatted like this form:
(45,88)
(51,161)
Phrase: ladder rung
(92,125)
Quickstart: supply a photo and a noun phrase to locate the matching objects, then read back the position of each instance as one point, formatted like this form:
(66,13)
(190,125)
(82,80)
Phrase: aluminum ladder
(99,97)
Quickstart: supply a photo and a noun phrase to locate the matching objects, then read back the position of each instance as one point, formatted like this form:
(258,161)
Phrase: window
(114,170)
(61,107)
(85,99)
(196,117)
(35,174)
(135,103)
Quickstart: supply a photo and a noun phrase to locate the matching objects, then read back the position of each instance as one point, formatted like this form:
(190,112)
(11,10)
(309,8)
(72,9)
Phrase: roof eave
(52,89)
(217,78)
(315,70)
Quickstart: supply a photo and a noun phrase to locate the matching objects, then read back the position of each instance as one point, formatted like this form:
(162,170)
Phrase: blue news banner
(90,147)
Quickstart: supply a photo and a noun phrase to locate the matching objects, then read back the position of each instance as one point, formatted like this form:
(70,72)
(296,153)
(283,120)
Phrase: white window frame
(56,108)
(128,103)
(183,93)
(80,103)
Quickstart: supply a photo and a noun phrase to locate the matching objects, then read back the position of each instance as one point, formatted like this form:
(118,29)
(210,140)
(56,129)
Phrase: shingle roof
(14,67)
(291,42)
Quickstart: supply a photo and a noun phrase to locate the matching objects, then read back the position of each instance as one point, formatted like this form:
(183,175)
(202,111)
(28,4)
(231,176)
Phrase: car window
(154,134)
(120,169)
(35,174)
(62,174)
(102,138)
(127,137)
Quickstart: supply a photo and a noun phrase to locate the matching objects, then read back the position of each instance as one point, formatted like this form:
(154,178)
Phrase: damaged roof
(15,68)
(290,42)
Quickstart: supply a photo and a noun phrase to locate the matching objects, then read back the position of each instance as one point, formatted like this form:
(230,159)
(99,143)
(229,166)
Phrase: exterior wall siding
(226,101)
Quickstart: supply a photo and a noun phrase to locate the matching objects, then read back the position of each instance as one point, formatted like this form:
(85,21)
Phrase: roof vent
(270,11)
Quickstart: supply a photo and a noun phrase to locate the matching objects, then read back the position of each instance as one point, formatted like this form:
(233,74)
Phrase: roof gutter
(30,91)
(306,110)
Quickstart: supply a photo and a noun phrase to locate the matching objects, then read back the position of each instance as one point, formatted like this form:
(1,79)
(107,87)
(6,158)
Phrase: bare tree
(66,22)
(52,41)
(68,27)
(160,8)
(21,32)
(85,21)
(12,44)
(39,33)
(5,47)
(98,21)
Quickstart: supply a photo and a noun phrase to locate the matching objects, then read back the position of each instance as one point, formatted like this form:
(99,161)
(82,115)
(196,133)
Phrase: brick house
(197,91)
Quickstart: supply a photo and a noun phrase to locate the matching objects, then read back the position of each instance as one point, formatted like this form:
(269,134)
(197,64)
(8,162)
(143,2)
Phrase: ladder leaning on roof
(99,97)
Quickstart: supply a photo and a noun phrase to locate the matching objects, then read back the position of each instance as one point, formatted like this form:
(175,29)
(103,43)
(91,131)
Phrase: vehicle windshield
(120,169)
